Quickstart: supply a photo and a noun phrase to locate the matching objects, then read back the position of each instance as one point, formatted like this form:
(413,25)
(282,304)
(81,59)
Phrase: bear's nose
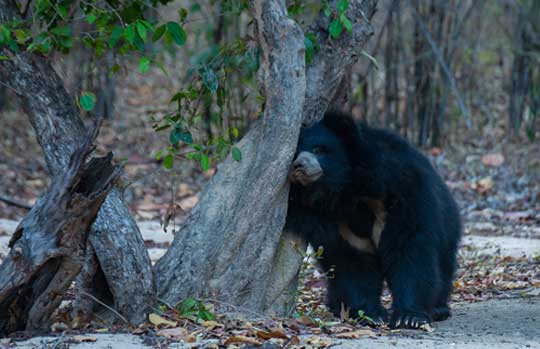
(297,164)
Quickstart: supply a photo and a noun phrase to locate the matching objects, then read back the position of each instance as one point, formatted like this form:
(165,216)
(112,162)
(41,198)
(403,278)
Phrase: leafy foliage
(203,120)
(191,307)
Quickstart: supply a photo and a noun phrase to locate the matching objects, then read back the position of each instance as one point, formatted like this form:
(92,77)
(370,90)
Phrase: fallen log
(48,247)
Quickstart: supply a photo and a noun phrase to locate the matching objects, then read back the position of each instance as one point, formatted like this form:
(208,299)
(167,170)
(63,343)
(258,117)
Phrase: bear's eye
(320,149)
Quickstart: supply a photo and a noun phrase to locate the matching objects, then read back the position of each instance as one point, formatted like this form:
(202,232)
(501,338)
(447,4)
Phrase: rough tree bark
(231,247)
(115,237)
(47,248)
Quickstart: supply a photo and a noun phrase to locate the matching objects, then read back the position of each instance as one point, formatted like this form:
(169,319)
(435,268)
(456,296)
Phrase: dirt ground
(509,318)
(496,324)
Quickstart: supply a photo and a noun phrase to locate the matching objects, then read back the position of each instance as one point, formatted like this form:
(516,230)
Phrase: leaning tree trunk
(47,248)
(231,247)
(115,237)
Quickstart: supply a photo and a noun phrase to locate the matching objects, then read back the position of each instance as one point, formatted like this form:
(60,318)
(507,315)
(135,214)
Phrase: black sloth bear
(381,212)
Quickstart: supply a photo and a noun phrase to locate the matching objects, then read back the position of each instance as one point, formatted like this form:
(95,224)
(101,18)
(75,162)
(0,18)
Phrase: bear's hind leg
(414,280)
(441,311)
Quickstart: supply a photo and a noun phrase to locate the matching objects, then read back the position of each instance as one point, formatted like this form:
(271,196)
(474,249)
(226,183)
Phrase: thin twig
(15,202)
(104,305)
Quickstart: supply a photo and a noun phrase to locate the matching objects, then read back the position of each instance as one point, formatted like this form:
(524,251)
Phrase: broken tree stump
(48,247)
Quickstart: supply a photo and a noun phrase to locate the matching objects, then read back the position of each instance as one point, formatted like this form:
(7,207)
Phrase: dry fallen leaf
(306,320)
(356,334)
(435,151)
(242,339)
(518,215)
(59,327)
(139,330)
(294,341)
(177,333)
(212,324)
(318,342)
(493,160)
(344,313)
(81,339)
(274,333)
(483,185)
(158,320)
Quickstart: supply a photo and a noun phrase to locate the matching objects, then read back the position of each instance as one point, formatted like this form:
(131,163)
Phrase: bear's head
(322,166)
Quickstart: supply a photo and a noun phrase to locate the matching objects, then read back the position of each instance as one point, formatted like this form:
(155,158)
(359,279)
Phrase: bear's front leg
(356,286)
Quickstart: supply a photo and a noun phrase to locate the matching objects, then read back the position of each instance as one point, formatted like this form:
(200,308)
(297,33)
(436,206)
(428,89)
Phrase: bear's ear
(343,126)
(358,148)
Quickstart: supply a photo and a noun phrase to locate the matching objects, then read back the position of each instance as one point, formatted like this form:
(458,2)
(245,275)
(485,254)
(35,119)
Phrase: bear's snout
(306,169)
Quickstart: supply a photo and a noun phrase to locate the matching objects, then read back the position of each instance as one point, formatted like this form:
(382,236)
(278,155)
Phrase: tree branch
(330,63)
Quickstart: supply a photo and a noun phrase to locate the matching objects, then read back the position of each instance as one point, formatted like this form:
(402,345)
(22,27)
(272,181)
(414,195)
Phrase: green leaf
(141,29)
(179,134)
(159,154)
(161,67)
(20,35)
(129,34)
(159,32)
(210,79)
(342,6)
(182,14)
(161,127)
(221,97)
(206,315)
(346,23)
(61,31)
(327,10)
(235,132)
(66,42)
(178,34)
(62,11)
(87,101)
(91,18)
(187,306)
(236,154)
(144,64)
(335,29)
(4,58)
(116,34)
(115,68)
(168,161)
(204,162)
(310,50)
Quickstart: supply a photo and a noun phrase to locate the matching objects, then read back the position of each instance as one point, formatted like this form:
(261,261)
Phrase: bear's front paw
(374,317)
(409,319)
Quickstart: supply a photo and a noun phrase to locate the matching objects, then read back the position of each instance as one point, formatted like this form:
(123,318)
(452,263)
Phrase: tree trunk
(391,65)
(115,237)
(231,247)
(47,248)
(527,39)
